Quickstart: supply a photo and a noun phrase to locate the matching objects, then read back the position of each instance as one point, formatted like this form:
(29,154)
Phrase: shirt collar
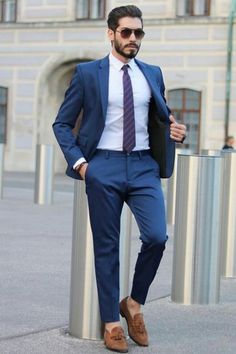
(119,64)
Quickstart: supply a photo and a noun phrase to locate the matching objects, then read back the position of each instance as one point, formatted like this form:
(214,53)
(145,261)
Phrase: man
(229,143)
(112,154)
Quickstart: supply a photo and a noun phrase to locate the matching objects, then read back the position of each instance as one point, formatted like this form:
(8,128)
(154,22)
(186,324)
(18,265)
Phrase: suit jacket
(88,91)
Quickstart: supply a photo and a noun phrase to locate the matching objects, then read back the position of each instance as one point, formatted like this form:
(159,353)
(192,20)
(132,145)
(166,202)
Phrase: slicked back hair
(122,11)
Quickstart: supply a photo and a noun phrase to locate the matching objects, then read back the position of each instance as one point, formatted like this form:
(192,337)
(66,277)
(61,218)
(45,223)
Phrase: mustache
(133,44)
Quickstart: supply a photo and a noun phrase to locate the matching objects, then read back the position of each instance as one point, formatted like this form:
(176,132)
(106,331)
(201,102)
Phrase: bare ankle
(133,305)
(110,325)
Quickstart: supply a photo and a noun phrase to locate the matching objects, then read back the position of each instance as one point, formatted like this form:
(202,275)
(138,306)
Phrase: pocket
(89,170)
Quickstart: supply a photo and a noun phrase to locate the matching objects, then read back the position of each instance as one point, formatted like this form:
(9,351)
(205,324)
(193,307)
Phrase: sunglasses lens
(139,33)
(126,33)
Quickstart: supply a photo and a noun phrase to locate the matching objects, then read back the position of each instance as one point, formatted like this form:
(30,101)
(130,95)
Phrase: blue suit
(113,178)
(89,92)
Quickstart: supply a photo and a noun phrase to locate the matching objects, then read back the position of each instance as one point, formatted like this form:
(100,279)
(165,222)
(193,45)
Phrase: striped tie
(129,123)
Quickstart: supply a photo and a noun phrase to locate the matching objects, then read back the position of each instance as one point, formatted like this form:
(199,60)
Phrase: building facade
(41,41)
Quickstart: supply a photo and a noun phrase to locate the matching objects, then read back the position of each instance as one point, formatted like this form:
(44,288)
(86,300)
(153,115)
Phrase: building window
(7,10)
(3,114)
(185,105)
(90,9)
(193,7)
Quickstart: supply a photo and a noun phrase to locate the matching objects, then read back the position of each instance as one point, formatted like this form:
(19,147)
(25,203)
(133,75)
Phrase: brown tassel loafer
(115,340)
(136,326)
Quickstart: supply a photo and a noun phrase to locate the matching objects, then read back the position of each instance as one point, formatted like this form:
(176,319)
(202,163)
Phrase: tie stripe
(129,122)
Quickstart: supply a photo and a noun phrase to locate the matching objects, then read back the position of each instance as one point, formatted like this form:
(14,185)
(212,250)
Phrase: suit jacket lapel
(103,74)
(155,88)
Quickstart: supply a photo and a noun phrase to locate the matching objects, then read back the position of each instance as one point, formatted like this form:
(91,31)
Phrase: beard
(130,53)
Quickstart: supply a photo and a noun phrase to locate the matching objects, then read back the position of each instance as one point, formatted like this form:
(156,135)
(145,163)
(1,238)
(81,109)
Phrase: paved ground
(35,252)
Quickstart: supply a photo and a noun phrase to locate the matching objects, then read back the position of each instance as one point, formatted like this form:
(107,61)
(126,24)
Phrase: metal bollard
(44,174)
(197,235)
(125,254)
(211,152)
(125,246)
(84,319)
(229,215)
(1,168)
(171,188)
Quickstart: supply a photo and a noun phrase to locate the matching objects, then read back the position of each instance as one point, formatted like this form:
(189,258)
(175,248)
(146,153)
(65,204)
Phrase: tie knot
(125,68)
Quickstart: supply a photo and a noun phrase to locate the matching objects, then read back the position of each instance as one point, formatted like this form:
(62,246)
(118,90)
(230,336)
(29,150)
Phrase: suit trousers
(112,178)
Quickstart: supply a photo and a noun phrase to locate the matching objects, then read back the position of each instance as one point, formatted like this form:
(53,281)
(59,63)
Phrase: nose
(132,36)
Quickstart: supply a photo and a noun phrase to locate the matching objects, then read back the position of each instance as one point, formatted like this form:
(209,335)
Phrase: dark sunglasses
(126,33)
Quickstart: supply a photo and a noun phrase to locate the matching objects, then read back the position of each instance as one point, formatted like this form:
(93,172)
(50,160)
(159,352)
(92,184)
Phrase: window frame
(188,110)
(6,109)
(3,13)
(90,11)
(192,14)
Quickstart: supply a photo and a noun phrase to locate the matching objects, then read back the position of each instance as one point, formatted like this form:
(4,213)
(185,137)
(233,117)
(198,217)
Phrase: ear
(110,34)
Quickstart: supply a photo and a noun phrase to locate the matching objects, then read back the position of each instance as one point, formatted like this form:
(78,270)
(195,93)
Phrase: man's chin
(131,53)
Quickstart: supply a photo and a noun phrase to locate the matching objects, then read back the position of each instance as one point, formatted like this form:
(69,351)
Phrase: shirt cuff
(78,162)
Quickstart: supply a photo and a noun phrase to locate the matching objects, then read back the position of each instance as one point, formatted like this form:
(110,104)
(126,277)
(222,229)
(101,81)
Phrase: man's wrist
(78,162)
(79,167)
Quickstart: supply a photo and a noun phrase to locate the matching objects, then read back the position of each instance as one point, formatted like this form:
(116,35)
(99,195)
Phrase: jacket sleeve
(67,117)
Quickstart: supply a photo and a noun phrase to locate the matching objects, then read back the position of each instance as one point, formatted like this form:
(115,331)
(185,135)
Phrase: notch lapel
(103,75)
(155,88)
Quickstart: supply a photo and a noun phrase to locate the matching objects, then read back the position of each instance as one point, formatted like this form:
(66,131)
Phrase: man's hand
(82,170)
(177,130)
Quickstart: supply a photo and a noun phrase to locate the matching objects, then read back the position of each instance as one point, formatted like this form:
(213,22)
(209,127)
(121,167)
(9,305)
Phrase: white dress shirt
(112,136)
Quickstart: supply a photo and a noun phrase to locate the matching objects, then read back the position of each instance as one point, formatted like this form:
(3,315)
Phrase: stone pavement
(35,253)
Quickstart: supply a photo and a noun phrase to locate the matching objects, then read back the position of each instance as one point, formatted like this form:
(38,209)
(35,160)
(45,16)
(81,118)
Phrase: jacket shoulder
(90,65)
(148,66)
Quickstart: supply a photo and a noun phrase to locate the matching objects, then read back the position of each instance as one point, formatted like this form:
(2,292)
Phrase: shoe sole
(116,350)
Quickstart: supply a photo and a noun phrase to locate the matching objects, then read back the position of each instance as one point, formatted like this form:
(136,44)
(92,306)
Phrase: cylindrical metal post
(84,321)
(171,188)
(210,152)
(125,245)
(197,235)
(229,215)
(1,168)
(44,174)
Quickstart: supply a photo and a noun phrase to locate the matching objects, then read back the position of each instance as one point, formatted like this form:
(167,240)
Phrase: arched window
(3,114)
(185,105)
